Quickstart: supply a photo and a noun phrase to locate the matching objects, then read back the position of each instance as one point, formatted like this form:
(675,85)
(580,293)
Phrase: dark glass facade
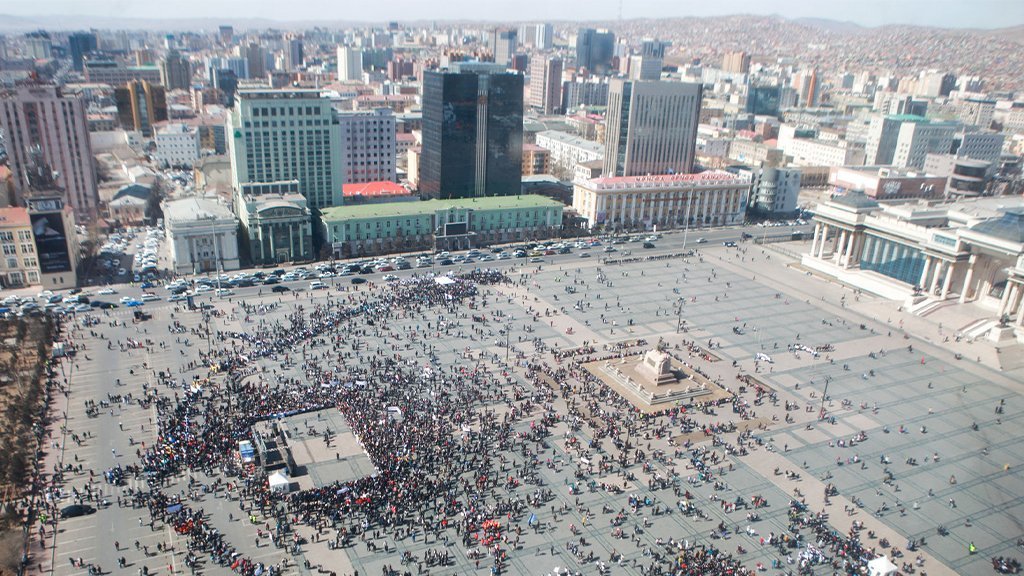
(763,100)
(892,259)
(595,50)
(454,163)
(504,157)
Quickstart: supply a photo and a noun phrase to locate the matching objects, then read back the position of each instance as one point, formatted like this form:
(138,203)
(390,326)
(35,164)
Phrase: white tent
(881,566)
(279,482)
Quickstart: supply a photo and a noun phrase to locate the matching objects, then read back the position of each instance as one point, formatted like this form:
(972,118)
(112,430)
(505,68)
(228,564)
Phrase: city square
(545,469)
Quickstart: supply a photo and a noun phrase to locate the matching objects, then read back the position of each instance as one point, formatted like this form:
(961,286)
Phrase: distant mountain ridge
(10,23)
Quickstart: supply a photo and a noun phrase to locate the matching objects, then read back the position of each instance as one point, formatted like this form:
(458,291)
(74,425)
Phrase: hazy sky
(950,13)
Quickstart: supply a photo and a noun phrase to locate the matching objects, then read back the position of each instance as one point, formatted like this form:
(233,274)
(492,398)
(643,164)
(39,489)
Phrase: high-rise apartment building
(350,63)
(595,50)
(808,87)
(44,119)
(736,62)
(176,71)
(472,132)
(883,133)
(140,105)
(504,43)
(651,127)
(80,44)
(285,135)
(368,142)
(546,84)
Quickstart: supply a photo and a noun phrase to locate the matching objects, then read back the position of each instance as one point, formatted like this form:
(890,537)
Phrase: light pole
(686,219)
(679,313)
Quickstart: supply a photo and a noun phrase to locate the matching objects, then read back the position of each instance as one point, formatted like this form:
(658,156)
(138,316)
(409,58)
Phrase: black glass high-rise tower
(472,132)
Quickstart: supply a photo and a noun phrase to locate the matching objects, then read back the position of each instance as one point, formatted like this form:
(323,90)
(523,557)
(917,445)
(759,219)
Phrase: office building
(774,191)
(455,224)
(226,81)
(472,132)
(504,43)
(115,74)
(582,92)
(918,139)
(763,100)
(368,143)
(202,234)
(80,44)
(283,135)
(38,45)
(640,67)
(933,84)
(883,133)
(537,36)
(595,50)
(713,198)
(140,105)
(256,57)
(736,62)
(808,88)
(977,112)
(350,63)
(568,150)
(176,71)
(276,223)
(294,54)
(177,145)
(651,127)
(226,34)
(42,121)
(546,85)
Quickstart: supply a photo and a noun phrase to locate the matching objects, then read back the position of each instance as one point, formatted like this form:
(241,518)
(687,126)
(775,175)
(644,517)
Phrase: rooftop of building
(571,139)
(906,118)
(380,188)
(14,217)
(391,210)
(193,209)
(706,176)
(855,199)
(1009,226)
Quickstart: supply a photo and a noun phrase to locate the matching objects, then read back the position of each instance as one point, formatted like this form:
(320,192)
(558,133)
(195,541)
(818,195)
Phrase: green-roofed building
(439,224)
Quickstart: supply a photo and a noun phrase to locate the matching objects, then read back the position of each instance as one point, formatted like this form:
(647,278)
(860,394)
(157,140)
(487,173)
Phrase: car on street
(132,303)
(390,278)
(358,280)
(148,297)
(536,259)
(317,285)
(76,510)
(648,245)
(177,298)
(222,292)
(729,244)
(584,254)
(106,291)
(279,289)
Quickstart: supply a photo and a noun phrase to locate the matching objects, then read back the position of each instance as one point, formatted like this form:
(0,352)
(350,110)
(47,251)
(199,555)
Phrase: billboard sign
(51,243)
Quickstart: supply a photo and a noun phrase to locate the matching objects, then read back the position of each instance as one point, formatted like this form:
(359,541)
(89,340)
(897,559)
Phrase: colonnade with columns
(846,243)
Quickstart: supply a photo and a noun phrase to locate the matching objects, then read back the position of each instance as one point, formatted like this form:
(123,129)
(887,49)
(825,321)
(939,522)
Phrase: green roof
(907,118)
(414,208)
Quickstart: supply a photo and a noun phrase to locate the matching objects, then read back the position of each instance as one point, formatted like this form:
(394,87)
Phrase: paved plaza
(576,480)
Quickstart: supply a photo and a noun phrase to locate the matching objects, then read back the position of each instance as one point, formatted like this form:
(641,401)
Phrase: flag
(532,520)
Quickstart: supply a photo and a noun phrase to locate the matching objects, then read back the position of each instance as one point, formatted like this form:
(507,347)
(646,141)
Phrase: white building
(368,143)
(918,139)
(815,152)
(203,235)
(712,198)
(350,63)
(970,251)
(568,150)
(177,145)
